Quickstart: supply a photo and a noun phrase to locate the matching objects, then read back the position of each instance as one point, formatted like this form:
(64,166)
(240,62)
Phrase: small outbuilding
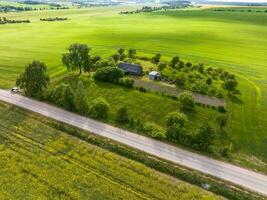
(130,68)
(154,75)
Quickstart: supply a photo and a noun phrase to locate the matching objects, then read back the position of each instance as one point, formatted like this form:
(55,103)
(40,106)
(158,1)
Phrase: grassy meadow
(236,41)
(39,161)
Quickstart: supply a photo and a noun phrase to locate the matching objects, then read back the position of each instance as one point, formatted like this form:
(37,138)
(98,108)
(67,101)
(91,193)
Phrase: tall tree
(121,53)
(77,58)
(174,61)
(131,53)
(230,85)
(156,59)
(187,101)
(205,137)
(80,98)
(33,79)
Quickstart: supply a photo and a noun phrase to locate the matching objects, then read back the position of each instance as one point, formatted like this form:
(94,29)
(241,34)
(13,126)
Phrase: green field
(38,161)
(236,41)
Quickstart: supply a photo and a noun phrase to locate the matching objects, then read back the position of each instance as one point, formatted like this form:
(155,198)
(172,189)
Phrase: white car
(15,90)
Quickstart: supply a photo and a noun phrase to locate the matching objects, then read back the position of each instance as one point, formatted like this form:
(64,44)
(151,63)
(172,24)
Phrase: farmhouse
(154,75)
(130,68)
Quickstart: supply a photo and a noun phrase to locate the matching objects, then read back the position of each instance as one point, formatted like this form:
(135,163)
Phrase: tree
(180,79)
(80,98)
(122,115)
(174,61)
(99,108)
(230,85)
(154,130)
(68,98)
(222,121)
(121,53)
(174,118)
(131,53)
(209,81)
(155,59)
(93,62)
(187,101)
(205,137)
(56,94)
(34,78)
(162,66)
(116,57)
(109,74)
(63,95)
(77,58)
(175,122)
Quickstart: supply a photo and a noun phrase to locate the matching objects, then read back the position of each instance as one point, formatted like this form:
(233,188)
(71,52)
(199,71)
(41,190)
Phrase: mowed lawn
(236,41)
(38,161)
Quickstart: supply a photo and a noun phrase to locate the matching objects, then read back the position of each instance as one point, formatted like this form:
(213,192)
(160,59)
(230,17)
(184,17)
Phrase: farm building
(154,75)
(130,68)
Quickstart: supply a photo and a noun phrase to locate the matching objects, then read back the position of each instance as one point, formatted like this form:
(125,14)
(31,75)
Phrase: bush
(187,101)
(176,118)
(142,58)
(222,109)
(63,95)
(99,108)
(175,122)
(180,79)
(225,152)
(142,89)
(176,132)
(109,74)
(122,115)
(205,137)
(127,82)
(154,130)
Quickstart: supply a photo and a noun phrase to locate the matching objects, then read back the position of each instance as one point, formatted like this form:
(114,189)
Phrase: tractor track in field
(71,160)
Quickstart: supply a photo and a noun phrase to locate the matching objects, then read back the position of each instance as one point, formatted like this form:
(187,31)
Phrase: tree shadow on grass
(235,99)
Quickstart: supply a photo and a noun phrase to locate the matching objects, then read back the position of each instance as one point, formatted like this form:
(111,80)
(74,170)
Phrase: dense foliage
(77,58)
(108,74)
(34,78)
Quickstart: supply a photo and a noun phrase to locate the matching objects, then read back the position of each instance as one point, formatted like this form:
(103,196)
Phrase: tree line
(54,19)
(4,20)
(34,81)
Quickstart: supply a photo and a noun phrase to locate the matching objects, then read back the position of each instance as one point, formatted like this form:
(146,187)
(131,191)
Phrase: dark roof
(131,68)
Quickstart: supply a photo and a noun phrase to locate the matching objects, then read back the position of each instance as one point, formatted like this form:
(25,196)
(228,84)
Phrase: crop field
(236,41)
(40,160)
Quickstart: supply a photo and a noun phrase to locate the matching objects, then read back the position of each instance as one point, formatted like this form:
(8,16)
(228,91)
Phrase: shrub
(34,79)
(142,89)
(108,74)
(176,132)
(176,118)
(209,81)
(80,98)
(154,130)
(122,115)
(204,138)
(63,95)
(155,59)
(187,101)
(127,82)
(221,120)
(230,85)
(222,109)
(180,79)
(68,98)
(142,58)
(225,152)
(219,94)
(99,108)
(175,122)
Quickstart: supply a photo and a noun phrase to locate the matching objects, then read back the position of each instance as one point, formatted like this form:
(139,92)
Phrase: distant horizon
(242,1)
